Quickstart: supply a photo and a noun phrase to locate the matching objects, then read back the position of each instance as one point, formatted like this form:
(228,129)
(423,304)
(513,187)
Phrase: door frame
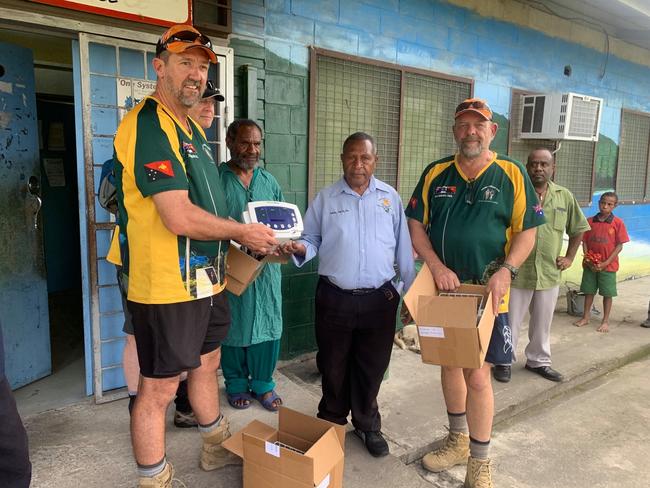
(87,197)
(91,280)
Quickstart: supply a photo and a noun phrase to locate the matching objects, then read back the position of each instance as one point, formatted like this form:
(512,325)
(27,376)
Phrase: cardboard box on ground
(303,452)
(453,330)
(242,268)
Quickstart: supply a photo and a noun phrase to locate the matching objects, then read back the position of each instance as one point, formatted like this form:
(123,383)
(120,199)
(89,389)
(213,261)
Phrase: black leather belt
(355,291)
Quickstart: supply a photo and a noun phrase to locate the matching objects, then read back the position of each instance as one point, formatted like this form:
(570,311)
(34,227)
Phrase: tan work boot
(213,456)
(455,451)
(161,480)
(479,473)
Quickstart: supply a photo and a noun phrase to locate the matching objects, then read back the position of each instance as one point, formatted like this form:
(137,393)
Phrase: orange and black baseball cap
(477,105)
(181,37)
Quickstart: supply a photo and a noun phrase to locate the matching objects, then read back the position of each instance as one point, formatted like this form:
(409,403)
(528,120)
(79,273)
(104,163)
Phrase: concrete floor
(595,436)
(88,445)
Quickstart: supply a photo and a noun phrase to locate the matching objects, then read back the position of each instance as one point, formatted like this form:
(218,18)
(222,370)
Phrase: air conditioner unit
(560,116)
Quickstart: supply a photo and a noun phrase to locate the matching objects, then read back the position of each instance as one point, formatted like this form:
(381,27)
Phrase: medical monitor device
(284,218)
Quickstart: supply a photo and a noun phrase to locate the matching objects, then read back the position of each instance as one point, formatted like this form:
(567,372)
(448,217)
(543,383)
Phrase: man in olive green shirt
(537,285)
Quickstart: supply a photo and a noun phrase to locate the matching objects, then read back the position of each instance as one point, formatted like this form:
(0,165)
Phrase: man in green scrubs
(251,350)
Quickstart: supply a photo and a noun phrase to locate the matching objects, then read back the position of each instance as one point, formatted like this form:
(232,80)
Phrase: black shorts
(127,328)
(171,338)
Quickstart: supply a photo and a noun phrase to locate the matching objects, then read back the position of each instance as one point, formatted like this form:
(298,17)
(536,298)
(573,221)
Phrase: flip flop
(267,403)
(233,398)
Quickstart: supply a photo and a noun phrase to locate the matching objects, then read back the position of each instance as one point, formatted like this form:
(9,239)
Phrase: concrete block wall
(283,113)
(500,44)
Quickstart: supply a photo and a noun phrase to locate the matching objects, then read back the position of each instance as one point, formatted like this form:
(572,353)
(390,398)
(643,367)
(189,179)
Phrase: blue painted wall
(444,38)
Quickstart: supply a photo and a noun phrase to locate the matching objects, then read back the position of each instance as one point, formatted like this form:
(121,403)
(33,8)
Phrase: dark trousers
(354,334)
(15,468)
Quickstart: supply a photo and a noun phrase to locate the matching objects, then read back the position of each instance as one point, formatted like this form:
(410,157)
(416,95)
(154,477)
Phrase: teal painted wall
(274,36)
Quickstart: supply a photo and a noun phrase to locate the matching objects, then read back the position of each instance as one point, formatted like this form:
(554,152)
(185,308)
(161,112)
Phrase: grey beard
(470,154)
(187,102)
(244,164)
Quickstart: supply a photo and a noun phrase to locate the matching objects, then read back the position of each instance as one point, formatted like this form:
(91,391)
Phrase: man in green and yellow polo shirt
(472,218)
(538,282)
(174,235)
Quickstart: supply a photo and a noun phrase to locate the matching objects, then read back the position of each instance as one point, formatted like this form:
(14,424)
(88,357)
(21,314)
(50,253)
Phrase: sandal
(235,399)
(267,403)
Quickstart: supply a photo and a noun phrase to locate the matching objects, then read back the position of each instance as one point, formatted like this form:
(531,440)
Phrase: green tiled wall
(282,93)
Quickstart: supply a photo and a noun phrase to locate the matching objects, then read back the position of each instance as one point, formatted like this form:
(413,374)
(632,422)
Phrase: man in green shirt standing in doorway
(536,287)
(251,350)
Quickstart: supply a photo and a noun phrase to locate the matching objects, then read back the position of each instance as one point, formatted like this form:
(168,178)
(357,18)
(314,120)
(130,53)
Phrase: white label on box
(438,332)
(272,449)
(325,483)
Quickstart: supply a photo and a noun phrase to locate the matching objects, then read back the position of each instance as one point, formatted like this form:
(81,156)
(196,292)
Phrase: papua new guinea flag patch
(159,170)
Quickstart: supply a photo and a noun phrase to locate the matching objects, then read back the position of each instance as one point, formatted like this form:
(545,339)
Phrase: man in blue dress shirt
(358,228)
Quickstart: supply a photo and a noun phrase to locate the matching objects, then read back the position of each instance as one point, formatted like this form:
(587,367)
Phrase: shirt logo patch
(444,191)
(488,194)
(538,209)
(413,202)
(385,204)
(188,148)
(207,151)
(159,170)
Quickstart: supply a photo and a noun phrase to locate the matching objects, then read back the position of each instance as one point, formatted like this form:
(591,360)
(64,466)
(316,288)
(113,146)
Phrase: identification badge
(207,282)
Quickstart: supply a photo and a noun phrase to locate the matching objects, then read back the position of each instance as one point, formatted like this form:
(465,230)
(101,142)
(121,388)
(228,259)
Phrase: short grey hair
(360,136)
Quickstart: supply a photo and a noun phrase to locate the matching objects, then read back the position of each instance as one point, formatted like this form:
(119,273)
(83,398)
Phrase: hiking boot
(213,456)
(455,451)
(185,420)
(161,480)
(479,474)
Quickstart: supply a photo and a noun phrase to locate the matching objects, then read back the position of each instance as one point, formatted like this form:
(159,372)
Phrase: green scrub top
(257,313)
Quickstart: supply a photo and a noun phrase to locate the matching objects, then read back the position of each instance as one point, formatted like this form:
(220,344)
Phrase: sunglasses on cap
(471,104)
(189,37)
(474,105)
(177,40)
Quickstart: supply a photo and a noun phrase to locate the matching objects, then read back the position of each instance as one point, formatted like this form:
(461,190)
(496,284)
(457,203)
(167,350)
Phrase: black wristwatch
(513,270)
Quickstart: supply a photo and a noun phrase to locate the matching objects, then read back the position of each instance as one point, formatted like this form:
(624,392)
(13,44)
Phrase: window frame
(219,30)
(646,197)
(314,52)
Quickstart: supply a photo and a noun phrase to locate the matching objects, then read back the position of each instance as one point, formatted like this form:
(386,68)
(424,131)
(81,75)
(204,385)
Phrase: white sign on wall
(161,12)
(130,91)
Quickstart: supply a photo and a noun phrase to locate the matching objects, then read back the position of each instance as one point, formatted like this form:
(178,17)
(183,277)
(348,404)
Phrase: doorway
(57,232)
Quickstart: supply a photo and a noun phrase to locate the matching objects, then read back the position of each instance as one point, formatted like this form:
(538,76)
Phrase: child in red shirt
(602,245)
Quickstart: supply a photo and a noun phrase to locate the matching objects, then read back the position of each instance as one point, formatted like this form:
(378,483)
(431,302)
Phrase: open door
(23,284)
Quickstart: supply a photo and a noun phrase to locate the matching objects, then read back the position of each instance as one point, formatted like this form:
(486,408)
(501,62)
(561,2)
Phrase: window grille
(409,113)
(633,157)
(428,118)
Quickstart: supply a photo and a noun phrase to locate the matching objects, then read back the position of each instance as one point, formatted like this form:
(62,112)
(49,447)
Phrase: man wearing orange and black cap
(472,218)
(173,239)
